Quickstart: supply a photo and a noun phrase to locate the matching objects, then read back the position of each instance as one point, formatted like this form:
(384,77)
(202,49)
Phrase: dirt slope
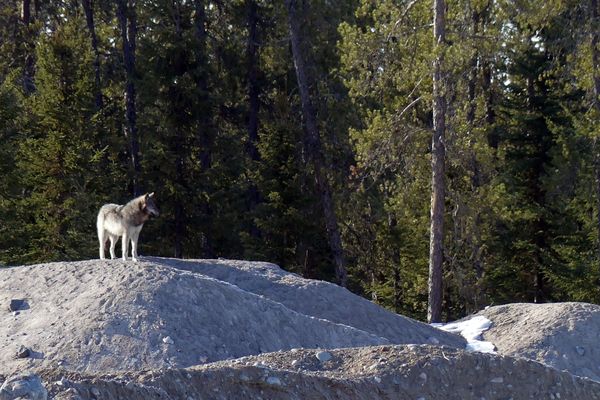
(110,316)
(384,372)
(316,298)
(563,335)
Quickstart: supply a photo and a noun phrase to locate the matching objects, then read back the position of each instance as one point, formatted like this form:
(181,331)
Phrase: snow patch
(471,330)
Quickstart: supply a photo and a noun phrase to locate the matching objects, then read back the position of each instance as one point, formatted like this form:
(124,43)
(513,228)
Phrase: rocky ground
(219,329)
(563,335)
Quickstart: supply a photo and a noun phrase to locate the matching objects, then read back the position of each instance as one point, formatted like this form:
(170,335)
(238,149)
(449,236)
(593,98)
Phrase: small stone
(95,392)
(423,377)
(62,382)
(273,380)
(16,304)
(203,359)
(168,340)
(580,350)
(377,379)
(324,356)
(24,386)
(22,352)
(295,363)
(497,380)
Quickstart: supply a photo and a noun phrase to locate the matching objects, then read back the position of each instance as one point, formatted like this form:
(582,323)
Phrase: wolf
(126,221)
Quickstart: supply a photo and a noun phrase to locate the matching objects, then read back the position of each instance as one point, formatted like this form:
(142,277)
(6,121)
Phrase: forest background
(326,172)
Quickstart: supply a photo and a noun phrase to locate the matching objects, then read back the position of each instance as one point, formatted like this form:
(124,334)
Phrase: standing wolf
(126,221)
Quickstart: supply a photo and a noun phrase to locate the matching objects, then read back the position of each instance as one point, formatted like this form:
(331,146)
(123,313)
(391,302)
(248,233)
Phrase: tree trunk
(180,225)
(204,135)
(128,25)
(313,146)
(596,100)
(28,71)
(88,8)
(438,155)
(254,105)
(26,12)
(474,162)
(180,153)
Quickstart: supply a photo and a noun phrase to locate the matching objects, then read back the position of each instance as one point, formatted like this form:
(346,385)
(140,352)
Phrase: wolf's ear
(151,194)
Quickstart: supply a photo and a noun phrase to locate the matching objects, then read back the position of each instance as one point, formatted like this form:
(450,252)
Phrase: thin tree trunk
(204,135)
(438,155)
(397,267)
(179,210)
(26,12)
(202,82)
(313,146)
(475,167)
(254,104)
(180,154)
(596,99)
(28,71)
(88,8)
(126,15)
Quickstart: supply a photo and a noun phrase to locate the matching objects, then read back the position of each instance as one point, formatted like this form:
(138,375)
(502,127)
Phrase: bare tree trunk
(474,162)
(180,226)
(204,135)
(396,268)
(88,8)
(254,104)
(126,15)
(438,156)
(596,100)
(26,12)
(28,71)
(313,146)
(179,155)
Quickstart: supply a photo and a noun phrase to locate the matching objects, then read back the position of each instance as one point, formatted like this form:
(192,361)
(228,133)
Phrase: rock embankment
(371,373)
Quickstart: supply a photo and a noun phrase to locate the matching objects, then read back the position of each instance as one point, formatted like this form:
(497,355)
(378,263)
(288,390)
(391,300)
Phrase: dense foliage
(198,101)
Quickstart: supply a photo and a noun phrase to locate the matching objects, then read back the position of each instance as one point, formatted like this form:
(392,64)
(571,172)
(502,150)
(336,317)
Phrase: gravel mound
(565,336)
(383,372)
(114,316)
(318,299)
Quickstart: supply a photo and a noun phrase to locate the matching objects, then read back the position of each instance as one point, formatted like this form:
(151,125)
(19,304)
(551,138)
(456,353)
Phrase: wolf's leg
(134,241)
(113,242)
(102,240)
(125,245)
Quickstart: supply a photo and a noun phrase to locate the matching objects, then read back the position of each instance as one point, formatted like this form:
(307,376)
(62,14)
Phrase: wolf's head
(149,205)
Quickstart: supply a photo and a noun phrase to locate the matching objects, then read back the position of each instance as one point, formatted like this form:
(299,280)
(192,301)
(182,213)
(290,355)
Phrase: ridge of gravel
(116,316)
(377,372)
(317,298)
(565,336)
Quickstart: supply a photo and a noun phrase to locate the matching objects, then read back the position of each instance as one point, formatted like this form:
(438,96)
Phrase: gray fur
(124,221)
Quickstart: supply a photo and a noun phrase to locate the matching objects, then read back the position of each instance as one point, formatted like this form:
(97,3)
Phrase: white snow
(471,330)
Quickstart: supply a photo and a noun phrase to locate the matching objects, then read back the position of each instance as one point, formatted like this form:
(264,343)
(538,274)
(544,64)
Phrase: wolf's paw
(134,259)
